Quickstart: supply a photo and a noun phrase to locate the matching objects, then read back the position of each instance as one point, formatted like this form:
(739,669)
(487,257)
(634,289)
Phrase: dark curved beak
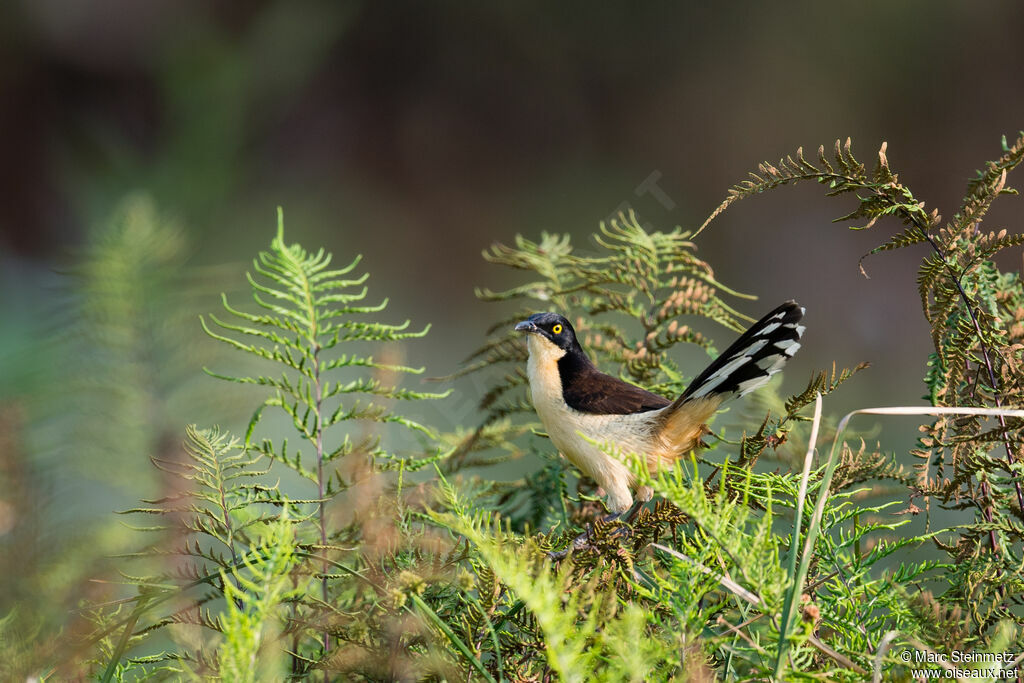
(526,326)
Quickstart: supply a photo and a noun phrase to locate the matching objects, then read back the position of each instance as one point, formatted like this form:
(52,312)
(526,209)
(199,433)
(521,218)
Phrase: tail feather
(752,359)
(749,363)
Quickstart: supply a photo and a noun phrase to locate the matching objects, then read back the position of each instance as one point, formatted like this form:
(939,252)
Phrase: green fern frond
(253,600)
(130,347)
(908,237)
(310,310)
(311,326)
(573,645)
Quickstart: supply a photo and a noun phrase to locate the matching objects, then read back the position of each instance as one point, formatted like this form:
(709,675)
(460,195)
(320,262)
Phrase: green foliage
(775,430)
(218,498)
(309,312)
(212,528)
(585,635)
(974,310)
(564,634)
(253,599)
(131,349)
(19,642)
(114,364)
(229,566)
(849,574)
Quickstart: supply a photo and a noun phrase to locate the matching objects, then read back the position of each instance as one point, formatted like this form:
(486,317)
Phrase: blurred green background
(417,134)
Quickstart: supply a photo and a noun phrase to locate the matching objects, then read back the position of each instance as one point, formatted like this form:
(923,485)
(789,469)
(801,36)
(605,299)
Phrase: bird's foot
(583,541)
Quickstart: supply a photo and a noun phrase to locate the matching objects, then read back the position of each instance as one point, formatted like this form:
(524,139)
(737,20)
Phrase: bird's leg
(579,543)
(643,495)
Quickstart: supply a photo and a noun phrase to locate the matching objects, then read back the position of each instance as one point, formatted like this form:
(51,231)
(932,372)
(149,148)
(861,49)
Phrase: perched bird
(574,399)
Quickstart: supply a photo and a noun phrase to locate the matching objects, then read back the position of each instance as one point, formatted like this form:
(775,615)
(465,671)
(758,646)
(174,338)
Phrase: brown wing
(589,390)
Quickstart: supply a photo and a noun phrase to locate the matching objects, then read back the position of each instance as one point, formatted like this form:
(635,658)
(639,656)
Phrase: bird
(580,406)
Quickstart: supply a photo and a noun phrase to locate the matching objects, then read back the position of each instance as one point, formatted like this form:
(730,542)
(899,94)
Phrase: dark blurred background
(419,133)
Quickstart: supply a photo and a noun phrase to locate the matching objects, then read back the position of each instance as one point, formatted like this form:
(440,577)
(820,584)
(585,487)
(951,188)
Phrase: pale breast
(564,425)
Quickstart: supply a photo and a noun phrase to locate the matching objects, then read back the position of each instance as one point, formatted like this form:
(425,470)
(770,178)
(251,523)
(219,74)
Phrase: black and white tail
(752,359)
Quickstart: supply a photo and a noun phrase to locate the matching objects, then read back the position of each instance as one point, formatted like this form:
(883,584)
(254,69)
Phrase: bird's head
(553,328)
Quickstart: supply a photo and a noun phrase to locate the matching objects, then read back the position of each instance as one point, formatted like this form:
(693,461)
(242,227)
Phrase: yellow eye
(557,329)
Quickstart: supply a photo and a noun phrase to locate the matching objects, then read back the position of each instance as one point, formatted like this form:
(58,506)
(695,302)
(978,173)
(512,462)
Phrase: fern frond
(989,184)
(253,602)
(312,309)
(568,621)
(986,246)
(908,237)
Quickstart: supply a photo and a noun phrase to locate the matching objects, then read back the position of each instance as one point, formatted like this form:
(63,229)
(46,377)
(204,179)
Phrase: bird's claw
(582,542)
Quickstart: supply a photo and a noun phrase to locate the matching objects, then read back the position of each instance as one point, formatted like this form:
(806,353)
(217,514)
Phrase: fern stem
(313,317)
(225,510)
(322,518)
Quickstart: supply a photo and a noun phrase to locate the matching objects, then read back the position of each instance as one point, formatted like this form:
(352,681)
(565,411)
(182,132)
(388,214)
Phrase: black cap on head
(551,326)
